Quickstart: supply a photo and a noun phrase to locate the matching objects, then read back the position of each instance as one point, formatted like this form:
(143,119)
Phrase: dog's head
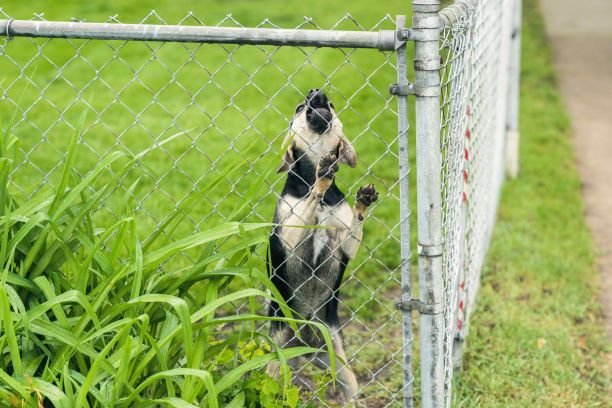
(315,131)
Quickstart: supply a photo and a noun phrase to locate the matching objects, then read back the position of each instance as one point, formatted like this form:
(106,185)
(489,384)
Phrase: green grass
(543,285)
(218,96)
(539,281)
(217,99)
(89,319)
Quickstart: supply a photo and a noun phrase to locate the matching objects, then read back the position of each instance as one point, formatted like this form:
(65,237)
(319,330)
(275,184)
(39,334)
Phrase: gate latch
(409,305)
(401,90)
(411,89)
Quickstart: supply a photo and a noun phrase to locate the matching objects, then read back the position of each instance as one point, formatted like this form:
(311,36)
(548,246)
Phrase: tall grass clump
(91,316)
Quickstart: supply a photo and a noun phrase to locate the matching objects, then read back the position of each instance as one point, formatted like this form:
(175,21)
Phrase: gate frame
(383,40)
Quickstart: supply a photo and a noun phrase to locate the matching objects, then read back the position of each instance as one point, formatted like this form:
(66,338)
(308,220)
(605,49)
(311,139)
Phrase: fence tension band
(411,89)
(409,305)
(429,251)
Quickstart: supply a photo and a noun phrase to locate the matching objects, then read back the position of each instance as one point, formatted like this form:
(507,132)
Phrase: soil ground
(581,35)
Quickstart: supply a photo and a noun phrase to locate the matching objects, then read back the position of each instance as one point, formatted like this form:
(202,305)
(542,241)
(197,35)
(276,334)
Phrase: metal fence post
(427,26)
(404,184)
(512,115)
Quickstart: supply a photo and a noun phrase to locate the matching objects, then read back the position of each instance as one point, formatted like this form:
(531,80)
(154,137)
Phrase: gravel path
(581,36)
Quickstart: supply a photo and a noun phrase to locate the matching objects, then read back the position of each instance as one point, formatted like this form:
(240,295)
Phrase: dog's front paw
(366,195)
(327,167)
(326,170)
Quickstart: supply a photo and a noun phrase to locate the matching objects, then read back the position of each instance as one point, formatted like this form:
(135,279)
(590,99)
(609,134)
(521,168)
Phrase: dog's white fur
(341,235)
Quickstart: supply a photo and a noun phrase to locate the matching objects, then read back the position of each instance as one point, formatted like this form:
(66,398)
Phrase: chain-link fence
(479,77)
(212,118)
(212,110)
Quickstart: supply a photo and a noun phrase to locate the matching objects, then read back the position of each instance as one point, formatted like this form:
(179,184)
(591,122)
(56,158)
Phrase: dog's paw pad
(328,166)
(366,195)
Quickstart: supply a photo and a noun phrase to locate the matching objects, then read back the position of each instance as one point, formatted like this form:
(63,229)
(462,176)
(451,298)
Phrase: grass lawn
(231,106)
(536,335)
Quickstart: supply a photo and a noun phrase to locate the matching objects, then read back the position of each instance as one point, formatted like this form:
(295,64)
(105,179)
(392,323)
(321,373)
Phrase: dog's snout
(318,113)
(317,99)
(319,119)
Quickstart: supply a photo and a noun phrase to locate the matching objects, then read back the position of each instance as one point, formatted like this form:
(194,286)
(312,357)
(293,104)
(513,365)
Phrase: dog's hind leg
(346,379)
(282,338)
(365,197)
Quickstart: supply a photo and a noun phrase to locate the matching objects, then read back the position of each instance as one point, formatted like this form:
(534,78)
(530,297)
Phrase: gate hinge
(409,305)
(411,89)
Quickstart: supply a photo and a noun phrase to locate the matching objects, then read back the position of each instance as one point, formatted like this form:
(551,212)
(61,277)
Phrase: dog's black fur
(299,182)
(307,264)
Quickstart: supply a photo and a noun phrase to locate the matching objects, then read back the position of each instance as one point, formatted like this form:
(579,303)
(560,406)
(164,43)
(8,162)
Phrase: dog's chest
(314,145)
(333,223)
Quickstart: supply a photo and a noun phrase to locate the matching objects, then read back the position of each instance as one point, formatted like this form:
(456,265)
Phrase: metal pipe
(429,200)
(404,184)
(383,40)
(512,114)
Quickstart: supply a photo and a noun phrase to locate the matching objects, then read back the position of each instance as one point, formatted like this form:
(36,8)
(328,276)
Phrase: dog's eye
(299,108)
(331,105)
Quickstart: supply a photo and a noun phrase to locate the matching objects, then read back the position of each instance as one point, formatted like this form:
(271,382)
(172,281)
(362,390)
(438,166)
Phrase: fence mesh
(474,60)
(211,119)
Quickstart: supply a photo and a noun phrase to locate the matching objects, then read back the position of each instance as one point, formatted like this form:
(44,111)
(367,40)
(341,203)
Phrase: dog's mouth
(318,111)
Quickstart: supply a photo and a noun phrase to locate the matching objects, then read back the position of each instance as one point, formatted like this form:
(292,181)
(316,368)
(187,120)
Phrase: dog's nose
(317,99)
(313,92)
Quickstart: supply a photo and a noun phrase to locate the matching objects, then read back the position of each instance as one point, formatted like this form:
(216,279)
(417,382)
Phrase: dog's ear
(346,153)
(288,160)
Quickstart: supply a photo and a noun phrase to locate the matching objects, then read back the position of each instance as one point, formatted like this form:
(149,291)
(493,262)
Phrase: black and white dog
(307,264)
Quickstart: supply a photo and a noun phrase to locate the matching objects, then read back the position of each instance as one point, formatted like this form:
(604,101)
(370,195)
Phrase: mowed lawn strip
(536,335)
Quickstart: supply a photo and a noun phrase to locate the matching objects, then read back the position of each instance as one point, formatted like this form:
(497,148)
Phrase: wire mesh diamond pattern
(472,140)
(209,120)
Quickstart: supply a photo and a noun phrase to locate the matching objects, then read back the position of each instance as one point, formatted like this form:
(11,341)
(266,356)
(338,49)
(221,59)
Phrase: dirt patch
(581,36)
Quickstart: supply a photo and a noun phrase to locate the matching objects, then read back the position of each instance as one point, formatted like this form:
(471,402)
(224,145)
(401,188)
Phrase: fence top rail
(455,13)
(383,40)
